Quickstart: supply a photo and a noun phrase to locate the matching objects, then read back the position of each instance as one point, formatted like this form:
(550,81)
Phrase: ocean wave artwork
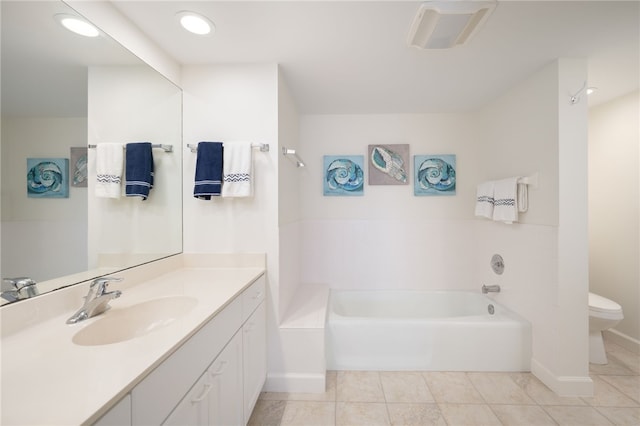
(343,175)
(47,177)
(388,164)
(435,174)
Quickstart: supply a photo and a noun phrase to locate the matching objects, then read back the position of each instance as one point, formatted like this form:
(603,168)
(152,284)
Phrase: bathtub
(424,330)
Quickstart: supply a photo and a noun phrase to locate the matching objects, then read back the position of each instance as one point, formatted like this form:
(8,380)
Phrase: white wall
(288,199)
(42,238)
(614,216)
(136,104)
(391,239)
(547,282)
(411,242)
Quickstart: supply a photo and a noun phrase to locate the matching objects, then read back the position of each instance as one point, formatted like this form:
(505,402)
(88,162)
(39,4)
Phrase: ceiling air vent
(446,24)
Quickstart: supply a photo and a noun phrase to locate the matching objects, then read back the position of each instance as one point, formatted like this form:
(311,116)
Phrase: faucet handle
(100,284)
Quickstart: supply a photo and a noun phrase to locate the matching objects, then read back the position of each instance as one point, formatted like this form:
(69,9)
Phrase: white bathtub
(424,330)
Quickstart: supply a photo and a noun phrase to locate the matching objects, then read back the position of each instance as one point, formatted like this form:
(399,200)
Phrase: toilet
(603,315)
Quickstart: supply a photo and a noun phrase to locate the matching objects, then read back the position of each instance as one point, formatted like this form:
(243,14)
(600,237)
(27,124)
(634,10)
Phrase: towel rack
(166,148)
(532,180)
(264,147)
(288,151)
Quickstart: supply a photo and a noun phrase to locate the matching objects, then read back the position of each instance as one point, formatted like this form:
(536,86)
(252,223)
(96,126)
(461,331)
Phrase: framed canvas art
(389,164)
(78,163)
(47,177)
(434,175)
(343,175)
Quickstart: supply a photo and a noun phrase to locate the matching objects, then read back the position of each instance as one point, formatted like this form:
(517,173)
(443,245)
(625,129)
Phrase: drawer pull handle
(220,370)
(205,392)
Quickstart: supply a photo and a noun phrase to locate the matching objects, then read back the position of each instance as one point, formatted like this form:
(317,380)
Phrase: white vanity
(201,362)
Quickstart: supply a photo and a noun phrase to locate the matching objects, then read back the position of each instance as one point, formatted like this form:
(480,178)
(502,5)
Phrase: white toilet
(603,314)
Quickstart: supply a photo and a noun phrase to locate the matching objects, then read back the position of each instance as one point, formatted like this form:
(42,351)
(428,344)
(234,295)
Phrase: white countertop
(49,380)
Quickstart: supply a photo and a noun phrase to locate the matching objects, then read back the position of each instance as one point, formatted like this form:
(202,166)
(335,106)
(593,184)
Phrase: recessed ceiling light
(195,23)
(590,90)
(77,25)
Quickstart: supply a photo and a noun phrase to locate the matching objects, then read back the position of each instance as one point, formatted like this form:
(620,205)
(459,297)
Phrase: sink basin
(119,325)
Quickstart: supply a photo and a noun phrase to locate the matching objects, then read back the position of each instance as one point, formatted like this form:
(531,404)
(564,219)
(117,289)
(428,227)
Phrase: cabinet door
(254,354)
(225,375)
(193,410)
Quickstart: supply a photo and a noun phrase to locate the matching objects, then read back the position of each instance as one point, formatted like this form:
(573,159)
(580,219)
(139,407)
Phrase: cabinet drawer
(252,297)
(155,397)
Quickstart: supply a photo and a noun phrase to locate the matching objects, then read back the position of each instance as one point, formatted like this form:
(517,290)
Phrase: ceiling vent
(446,24)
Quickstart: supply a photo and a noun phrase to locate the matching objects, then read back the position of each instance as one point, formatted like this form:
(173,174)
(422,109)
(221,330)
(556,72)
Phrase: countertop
(49,380)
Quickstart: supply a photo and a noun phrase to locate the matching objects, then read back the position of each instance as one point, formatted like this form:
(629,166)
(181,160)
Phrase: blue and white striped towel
(208,179)
(139,170)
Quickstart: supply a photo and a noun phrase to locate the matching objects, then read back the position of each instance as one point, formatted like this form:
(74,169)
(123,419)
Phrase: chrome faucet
(18,288)
(490,289)
(97,300)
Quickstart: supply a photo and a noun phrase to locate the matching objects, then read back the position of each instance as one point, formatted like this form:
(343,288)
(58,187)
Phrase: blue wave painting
(343,175)
(47,177)
(435,175)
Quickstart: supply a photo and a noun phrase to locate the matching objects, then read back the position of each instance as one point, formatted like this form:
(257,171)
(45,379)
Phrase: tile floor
(459,398)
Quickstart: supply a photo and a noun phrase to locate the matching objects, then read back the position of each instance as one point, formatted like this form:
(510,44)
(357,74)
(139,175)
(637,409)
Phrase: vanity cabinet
(215,377)
(216,397)
(254,345)
(118,415)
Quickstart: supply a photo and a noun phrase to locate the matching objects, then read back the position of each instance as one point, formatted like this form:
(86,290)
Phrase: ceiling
(44,66)
(352,57)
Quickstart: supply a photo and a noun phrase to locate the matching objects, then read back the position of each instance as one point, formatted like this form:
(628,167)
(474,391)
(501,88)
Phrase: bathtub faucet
(490,289)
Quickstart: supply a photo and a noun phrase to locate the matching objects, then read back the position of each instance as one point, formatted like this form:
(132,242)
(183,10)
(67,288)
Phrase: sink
(119,325)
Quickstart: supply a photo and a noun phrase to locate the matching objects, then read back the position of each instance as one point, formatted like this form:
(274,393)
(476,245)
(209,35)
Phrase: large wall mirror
(63,93)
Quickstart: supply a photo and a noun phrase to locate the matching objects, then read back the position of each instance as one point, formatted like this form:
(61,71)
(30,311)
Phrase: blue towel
(208,181)
(139,169)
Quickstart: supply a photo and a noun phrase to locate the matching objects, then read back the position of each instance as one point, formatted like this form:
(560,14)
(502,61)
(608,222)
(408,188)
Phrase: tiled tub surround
(371,398)
(47,379)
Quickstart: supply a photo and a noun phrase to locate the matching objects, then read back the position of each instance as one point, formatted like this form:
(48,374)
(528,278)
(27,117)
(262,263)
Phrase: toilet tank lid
(600,303)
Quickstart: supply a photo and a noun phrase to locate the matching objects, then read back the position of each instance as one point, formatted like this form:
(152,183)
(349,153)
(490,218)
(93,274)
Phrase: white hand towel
(505,197)
(236,169)
(484,200)
(109,164)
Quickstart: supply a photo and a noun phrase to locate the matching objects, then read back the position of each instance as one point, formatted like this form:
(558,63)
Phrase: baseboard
(621,339)
(295,383)
(562,385)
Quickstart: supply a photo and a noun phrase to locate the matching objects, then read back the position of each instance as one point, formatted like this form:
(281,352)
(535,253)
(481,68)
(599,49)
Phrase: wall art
(389,164)
(434,175)
(343,175)
(78,164)
(47,177)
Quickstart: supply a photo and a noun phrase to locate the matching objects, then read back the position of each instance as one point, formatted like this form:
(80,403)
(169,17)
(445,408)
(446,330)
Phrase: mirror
(61,91)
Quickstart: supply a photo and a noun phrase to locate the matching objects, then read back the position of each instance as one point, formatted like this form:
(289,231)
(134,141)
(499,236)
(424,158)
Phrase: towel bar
(166,148)
(264,147)
(288,151)
(532,180)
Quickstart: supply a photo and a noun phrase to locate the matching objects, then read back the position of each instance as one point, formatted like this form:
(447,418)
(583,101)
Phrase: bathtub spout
(490,289)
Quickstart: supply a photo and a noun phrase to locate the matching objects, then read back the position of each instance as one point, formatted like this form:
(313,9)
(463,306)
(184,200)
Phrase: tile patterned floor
(459,399)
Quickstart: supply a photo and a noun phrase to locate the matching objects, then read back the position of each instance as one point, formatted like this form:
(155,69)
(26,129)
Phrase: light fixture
(195,23)
(446,24)
(575,98)
(77,25)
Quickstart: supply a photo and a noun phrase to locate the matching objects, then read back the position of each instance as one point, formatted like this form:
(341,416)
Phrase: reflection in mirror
(61,91)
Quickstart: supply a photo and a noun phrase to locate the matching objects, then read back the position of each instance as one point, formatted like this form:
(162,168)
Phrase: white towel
(505,200)
(236,170)
(109,164)
(484,200)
